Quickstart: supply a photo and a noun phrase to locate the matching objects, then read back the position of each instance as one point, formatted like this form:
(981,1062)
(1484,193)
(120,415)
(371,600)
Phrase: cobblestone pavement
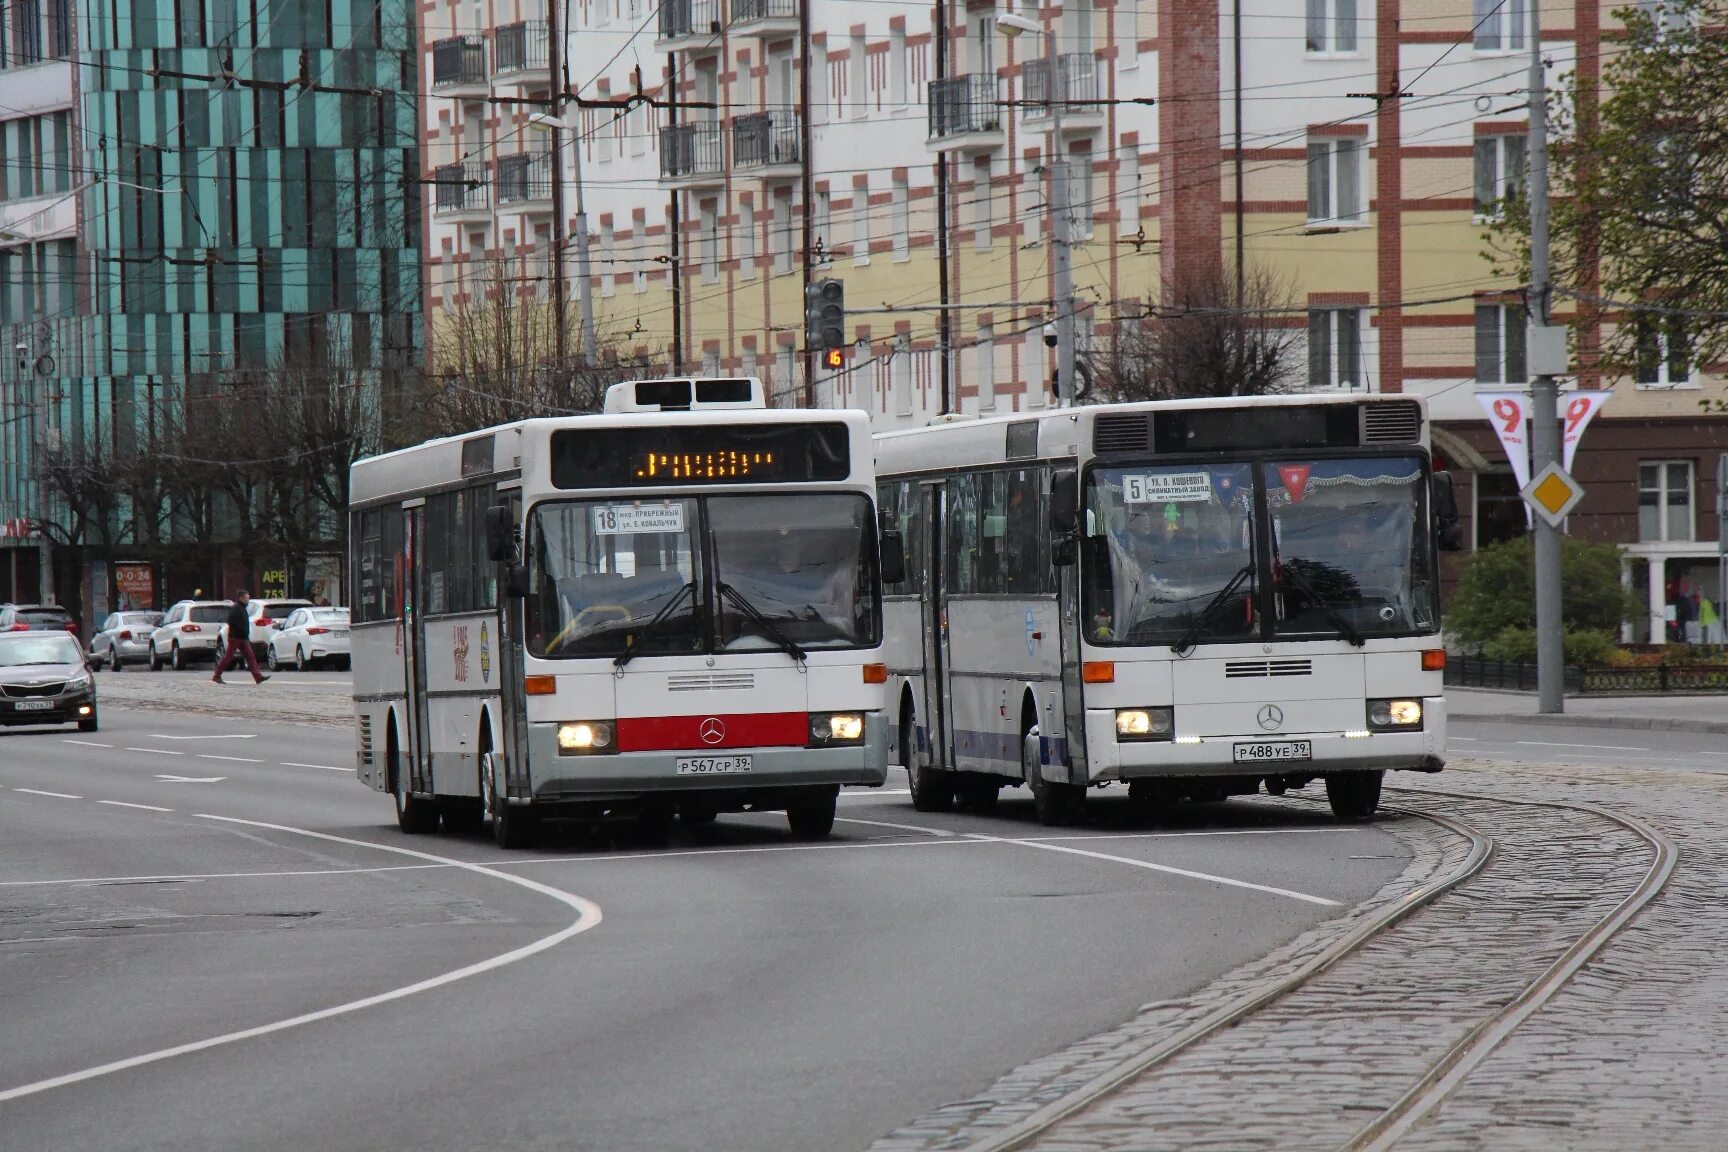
(1632,1054)
(291,696)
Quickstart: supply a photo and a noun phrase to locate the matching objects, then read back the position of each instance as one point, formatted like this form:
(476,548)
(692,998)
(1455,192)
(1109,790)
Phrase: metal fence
(520,47)
(690,150)
(461,187)
(744,11)
(1079,78)
(765,138)
(679,18)
(524,177)
(1473,672)
(459,60)
(960,104)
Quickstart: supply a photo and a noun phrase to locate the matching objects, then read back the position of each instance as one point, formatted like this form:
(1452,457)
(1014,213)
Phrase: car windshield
(279,611)
(43,615)
(137,618)
(208,614)
(49,649)
(330,616)
(709,573)
(1162,545)
(1351,541)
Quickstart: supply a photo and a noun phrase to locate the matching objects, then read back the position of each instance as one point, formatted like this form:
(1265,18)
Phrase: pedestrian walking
(239,640)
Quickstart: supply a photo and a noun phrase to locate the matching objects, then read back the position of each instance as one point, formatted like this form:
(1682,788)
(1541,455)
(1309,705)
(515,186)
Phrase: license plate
(712,765)
(1266,750)
(34,705)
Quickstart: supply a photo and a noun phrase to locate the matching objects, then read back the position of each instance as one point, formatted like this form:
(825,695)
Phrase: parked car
(36,618)
(192,630)
(264,614)
(44,680)
(308,636)
(124,639)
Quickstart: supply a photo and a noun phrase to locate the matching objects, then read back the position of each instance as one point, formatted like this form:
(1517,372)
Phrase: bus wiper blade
(761,621)
(641,637)
(1186,644)
(1335,617)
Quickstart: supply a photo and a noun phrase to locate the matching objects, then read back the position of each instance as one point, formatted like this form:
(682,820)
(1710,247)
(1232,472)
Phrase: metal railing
(458,60)
(461,187)
(691,150)
(524,177)
(765,138)
(746,11)
(960,104)
(519,47)
(1078,72)
(1474,672)
(680,18)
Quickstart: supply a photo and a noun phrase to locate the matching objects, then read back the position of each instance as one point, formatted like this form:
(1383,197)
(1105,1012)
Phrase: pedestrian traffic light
(834,358)
(825,314)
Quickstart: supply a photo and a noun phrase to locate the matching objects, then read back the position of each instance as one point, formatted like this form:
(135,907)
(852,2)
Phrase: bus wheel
(980,793)
(1354,795)
(932,789)
(1054,803)
(812,816)
(415,815)
(511,827)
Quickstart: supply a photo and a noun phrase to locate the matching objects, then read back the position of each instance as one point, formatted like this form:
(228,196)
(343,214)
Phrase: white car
(192,630)
(264,614)
(309,636)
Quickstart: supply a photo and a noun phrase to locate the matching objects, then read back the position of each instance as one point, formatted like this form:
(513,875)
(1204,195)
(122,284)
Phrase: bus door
(938,703)
(512,704)
(412,596)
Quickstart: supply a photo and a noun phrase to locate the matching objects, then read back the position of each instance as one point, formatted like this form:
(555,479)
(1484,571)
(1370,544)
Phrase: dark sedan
(44,680)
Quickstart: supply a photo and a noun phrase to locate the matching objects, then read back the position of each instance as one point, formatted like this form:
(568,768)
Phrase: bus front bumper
(624,775)
(1111,759)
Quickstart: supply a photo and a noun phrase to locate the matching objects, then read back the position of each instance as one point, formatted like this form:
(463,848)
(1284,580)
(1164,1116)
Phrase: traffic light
(834,358)
(825,314)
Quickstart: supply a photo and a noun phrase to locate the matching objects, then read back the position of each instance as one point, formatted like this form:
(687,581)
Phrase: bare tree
(1203,341)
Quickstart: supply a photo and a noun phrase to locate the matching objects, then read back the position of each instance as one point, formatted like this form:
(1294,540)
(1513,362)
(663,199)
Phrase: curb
(1638,723)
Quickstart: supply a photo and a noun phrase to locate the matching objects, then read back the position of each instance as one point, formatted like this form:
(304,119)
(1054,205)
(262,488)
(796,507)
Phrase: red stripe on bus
(751,730)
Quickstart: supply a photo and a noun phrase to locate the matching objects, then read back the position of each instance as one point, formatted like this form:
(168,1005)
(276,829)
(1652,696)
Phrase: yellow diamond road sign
(1553,494)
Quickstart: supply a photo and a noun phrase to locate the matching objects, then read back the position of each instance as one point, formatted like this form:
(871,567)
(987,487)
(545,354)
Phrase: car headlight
(836,727)
(585,738)
(1390,714)
(83,682)
(1145,723)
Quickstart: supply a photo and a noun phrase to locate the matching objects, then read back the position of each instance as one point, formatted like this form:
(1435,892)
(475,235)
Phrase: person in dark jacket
(239,640)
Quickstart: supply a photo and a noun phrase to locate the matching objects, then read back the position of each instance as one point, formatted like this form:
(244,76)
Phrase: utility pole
(675,270)
(1544,397)
(1061,232)
(554,58)
(806,185)
(1236,105)
(944,325)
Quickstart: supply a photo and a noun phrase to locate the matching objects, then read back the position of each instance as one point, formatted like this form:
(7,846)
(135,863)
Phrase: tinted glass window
(277,611)
(210,613)
(44,616)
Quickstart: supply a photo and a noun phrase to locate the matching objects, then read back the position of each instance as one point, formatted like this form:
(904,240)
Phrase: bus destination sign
(699,454)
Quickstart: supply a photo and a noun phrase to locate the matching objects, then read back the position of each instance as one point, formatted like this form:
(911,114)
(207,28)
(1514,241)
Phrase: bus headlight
(836,727)
(584,737)
(1387,714)
(1145,723)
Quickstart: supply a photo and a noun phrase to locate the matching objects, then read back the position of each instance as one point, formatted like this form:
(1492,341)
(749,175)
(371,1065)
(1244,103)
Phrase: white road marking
(901,827)
(202,876)
(326,767)
(1192,875)
(145,807)
(56,795)
(86,743)
(233,759)
(190,779)
(230,736)
(158,751)
(875,792)
(1187,835)
(1463,739)
(587,916)
(1557,744)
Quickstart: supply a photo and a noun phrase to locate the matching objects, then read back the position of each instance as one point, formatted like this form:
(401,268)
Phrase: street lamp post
(556,124)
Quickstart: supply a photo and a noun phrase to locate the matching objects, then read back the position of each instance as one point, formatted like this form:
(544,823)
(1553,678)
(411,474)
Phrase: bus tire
(512,827)
(1053,802)
(1354,795)
(932,789)
(415,815)
(812,817)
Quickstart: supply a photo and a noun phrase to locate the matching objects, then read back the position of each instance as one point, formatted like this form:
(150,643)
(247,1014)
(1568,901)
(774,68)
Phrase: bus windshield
(683,576)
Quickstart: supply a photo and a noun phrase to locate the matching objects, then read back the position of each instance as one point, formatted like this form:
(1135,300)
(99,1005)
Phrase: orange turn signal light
(1098,672)
(875,673)
(539,685)
(1434,660)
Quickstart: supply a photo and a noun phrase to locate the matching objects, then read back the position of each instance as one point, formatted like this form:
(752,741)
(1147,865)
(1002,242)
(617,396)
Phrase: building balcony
(1077,80)
(764,18)
(769,144)
(692,155)
(459,63)
(687,24)
(519,47)
(966,113)
(462,191)
(524,183)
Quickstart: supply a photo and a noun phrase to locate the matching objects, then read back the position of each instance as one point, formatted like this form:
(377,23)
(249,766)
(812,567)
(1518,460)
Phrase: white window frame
(861,224)
(901,213)
(782,223)
(708,230)
(1666,19)
(1496,157)
(1499,27)
(1327,360)
(1336,174)
(1339,27)
(1663,328)
(983,210)
(639,241)
(1511,345)
(1663,489)
(898,68)
(747,240)
(858,77)
(984,368)
(1080,192)
(984,45)
(608,258)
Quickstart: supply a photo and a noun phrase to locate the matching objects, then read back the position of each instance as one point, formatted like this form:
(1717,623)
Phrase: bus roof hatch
(687,394)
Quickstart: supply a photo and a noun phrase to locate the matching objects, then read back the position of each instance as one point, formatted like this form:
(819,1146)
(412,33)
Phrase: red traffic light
(834,358)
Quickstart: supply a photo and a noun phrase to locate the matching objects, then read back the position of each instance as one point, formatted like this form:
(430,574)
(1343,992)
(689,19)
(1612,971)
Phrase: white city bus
(671,607)
(1196,598)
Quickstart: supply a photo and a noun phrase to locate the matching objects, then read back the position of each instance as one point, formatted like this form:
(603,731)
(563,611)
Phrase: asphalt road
(1559,742)
(736,991)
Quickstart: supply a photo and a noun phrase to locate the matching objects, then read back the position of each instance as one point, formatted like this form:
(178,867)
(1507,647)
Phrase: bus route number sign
(629,519)
(1167,488)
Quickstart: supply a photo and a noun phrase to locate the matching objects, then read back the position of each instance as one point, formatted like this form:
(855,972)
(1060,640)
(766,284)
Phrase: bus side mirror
(516,581)
(1064,503)
(893,554)
(498,533)
(1448,533)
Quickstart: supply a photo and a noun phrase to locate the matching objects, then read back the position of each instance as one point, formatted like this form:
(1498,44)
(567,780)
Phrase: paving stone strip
(284,697)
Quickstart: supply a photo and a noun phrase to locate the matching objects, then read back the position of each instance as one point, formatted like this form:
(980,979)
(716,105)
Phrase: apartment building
(1355,149)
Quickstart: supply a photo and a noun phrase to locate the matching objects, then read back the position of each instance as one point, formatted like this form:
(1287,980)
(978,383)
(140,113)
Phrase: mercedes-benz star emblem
(1271,716)
(712,731)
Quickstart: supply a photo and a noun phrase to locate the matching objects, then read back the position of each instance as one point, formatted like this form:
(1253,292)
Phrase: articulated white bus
(672,607)
(1196,598)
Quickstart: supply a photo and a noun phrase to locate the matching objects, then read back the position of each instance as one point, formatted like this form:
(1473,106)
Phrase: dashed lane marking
(326,767)
(56,795)
(145,807)
(1558,744)
(232,759)
(901,827)
(1209,877)
(158,751)
(86,743)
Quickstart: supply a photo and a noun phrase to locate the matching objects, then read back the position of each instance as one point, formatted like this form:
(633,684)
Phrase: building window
(984,368)
(1501,25)
(1080,194)
(897,66)
(902,212)
(1665,500)
(858,82)
(1500,167)
(710,237)
(983,215)
(1335,349)
(1334,181)
(1664,352)
(1500,334)
(1501,513)
(1662,14)
(608,258)
(822,228)
(984,45)
(861,224)
(782,240)
(1331,26)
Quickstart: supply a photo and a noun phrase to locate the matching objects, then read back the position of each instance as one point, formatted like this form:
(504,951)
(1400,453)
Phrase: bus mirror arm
(893,552)
(516,581)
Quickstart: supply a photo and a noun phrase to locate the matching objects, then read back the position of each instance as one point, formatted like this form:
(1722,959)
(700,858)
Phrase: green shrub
(1588,647)
(1494,604)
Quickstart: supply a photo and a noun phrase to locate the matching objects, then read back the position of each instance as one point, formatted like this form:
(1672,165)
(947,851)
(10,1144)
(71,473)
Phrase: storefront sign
(134,587)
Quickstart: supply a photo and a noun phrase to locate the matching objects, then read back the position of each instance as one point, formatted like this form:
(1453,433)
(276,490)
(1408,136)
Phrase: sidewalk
(1658,713)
